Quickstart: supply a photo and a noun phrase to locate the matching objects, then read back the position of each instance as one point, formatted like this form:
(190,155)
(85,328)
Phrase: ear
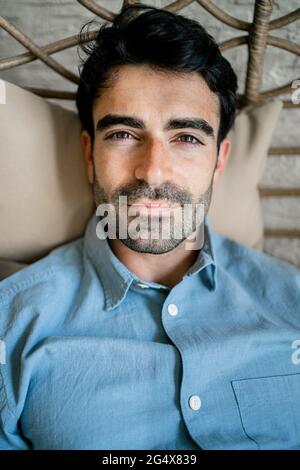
(223,155)
(88,156)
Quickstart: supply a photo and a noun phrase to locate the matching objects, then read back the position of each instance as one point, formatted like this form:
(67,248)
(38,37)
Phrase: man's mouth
(153,207)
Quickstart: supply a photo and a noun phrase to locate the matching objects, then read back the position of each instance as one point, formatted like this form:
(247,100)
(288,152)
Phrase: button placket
(172,310)
(195,402)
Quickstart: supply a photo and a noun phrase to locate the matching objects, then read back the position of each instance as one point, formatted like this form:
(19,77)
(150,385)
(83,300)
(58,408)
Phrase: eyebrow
(195,123)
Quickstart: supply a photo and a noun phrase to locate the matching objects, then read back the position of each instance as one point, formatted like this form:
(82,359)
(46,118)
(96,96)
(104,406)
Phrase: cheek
(199,174)
(111,170)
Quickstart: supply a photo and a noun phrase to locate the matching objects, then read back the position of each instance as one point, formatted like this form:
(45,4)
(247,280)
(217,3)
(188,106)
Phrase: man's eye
(190,139)
(120,135)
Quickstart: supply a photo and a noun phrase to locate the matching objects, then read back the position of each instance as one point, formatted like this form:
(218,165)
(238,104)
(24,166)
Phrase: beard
(161,233)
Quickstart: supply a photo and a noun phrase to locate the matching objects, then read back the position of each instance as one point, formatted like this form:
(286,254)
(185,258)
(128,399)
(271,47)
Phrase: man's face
(156,143)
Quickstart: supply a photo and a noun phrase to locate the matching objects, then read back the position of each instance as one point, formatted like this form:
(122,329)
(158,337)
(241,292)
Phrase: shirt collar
(116,277)
(206,257)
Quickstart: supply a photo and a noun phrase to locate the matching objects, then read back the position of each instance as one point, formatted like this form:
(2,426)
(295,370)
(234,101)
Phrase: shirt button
(195,402)
(172,309)
(143,286)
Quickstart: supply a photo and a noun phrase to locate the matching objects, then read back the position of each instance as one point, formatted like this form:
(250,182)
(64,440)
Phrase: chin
(153,247)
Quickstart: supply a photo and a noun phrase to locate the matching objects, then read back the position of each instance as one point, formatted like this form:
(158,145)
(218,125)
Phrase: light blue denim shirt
(93,357)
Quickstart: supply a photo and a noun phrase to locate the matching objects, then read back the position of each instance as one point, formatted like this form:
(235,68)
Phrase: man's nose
(153,163)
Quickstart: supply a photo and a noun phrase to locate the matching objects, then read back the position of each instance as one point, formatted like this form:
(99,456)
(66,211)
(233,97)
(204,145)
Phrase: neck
(166,269)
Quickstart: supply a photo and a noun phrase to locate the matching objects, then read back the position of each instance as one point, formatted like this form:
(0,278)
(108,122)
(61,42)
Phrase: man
(138,341)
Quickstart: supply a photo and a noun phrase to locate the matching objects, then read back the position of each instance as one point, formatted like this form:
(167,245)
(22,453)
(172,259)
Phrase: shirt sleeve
(10,437)
(21,296)
(10,432)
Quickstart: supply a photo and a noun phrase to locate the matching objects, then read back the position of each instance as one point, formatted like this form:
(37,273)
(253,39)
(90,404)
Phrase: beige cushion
(45,197)
(235,209)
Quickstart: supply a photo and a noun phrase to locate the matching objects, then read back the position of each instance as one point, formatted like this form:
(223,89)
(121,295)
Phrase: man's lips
(151,204)
(152,207)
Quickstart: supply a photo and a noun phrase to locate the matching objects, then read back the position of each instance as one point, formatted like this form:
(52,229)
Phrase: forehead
(157,95)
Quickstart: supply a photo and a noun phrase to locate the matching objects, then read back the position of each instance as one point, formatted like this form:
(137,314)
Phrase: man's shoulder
(265,277)
(229,250)
(48,274)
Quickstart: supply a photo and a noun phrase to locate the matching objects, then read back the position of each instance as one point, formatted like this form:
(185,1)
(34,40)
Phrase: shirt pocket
(269,409)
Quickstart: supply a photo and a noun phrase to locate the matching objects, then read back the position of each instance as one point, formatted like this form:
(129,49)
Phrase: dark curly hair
(141,34)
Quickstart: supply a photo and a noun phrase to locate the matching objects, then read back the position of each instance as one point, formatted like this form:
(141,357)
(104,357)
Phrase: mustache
(141,189)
